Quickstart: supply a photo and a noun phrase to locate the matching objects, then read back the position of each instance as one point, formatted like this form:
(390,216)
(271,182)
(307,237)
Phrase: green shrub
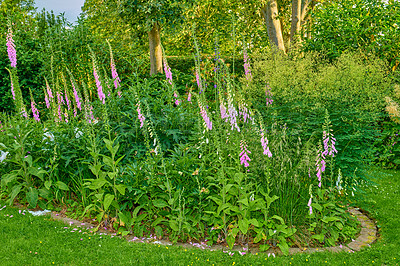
(352,89)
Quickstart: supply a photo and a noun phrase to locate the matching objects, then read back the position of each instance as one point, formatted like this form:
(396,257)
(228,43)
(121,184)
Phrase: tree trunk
(155,50)
(296,20)
(270,14)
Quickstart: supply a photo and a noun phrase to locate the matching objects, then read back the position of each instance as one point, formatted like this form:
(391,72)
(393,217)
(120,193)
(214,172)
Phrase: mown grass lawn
(25,239)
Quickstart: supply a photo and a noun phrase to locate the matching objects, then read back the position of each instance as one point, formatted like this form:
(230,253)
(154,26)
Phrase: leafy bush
(369,26)
(351,89)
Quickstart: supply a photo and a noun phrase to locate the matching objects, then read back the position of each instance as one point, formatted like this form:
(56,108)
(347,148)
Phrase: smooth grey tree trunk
(273,24)
(155,50)
(296,22)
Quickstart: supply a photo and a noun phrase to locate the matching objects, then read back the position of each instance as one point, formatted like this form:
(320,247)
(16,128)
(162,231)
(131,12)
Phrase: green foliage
(351,89)
(370,26)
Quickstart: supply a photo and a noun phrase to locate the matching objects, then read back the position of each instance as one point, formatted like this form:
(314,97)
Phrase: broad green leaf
(174,225)
(15,191)
(278,218)
(32,197)
(123,219)
(62,185)
(158,221)
(97,183)
(8,178)
(108,198)
(121,188)
(243,225)
(230,241)
(283,245)
(316,206)
(319,237)
(254,222)
(95,169)
(159,203)
(108,161)
(47,184)
(330,219)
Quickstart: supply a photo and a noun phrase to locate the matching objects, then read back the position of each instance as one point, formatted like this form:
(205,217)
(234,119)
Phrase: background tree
(143,16)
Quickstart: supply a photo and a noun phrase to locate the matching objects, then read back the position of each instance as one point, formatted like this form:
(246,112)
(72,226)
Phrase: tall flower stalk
(247,71)
(35,111)
(204,115)
(114,73)
(99,85)
(244,157)
(140,115)
(12,52)
(15,88)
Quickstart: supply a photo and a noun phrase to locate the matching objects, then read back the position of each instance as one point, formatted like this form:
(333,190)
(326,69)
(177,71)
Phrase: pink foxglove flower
(264,144)
(12,52)
(115,77)
(309,205)
(244,157)
(198,79)
(49,90)
(77,99)
(224,115)
(189,97)
(140,115)
(35,111)
(205,116)
(177,102)
(247,71)
(168,73)
(100,92)
(12,90)
(67,100)
(329,149)
(320,163)
(46,99)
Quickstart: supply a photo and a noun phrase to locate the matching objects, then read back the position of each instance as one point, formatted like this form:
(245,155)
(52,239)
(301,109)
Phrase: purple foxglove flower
(232,115)
(67,100)
(247,71)
(168,73)
(140,116)
(100,92)
(309,205)
(189,97)
(12,52)
(49,90)
(206,119)
(77,99)
(224,115)
(244,157)
(35,111)
(115,77)
(198,79)
(264,144)
(12,90)
(46,99)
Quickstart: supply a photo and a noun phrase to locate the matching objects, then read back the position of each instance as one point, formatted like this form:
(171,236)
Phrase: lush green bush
(369,26)
(351,89)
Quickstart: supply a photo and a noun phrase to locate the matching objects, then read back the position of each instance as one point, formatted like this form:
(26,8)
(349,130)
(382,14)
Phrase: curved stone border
(367,236)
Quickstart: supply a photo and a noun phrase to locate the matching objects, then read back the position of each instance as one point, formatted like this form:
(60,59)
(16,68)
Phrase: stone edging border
(367,236)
